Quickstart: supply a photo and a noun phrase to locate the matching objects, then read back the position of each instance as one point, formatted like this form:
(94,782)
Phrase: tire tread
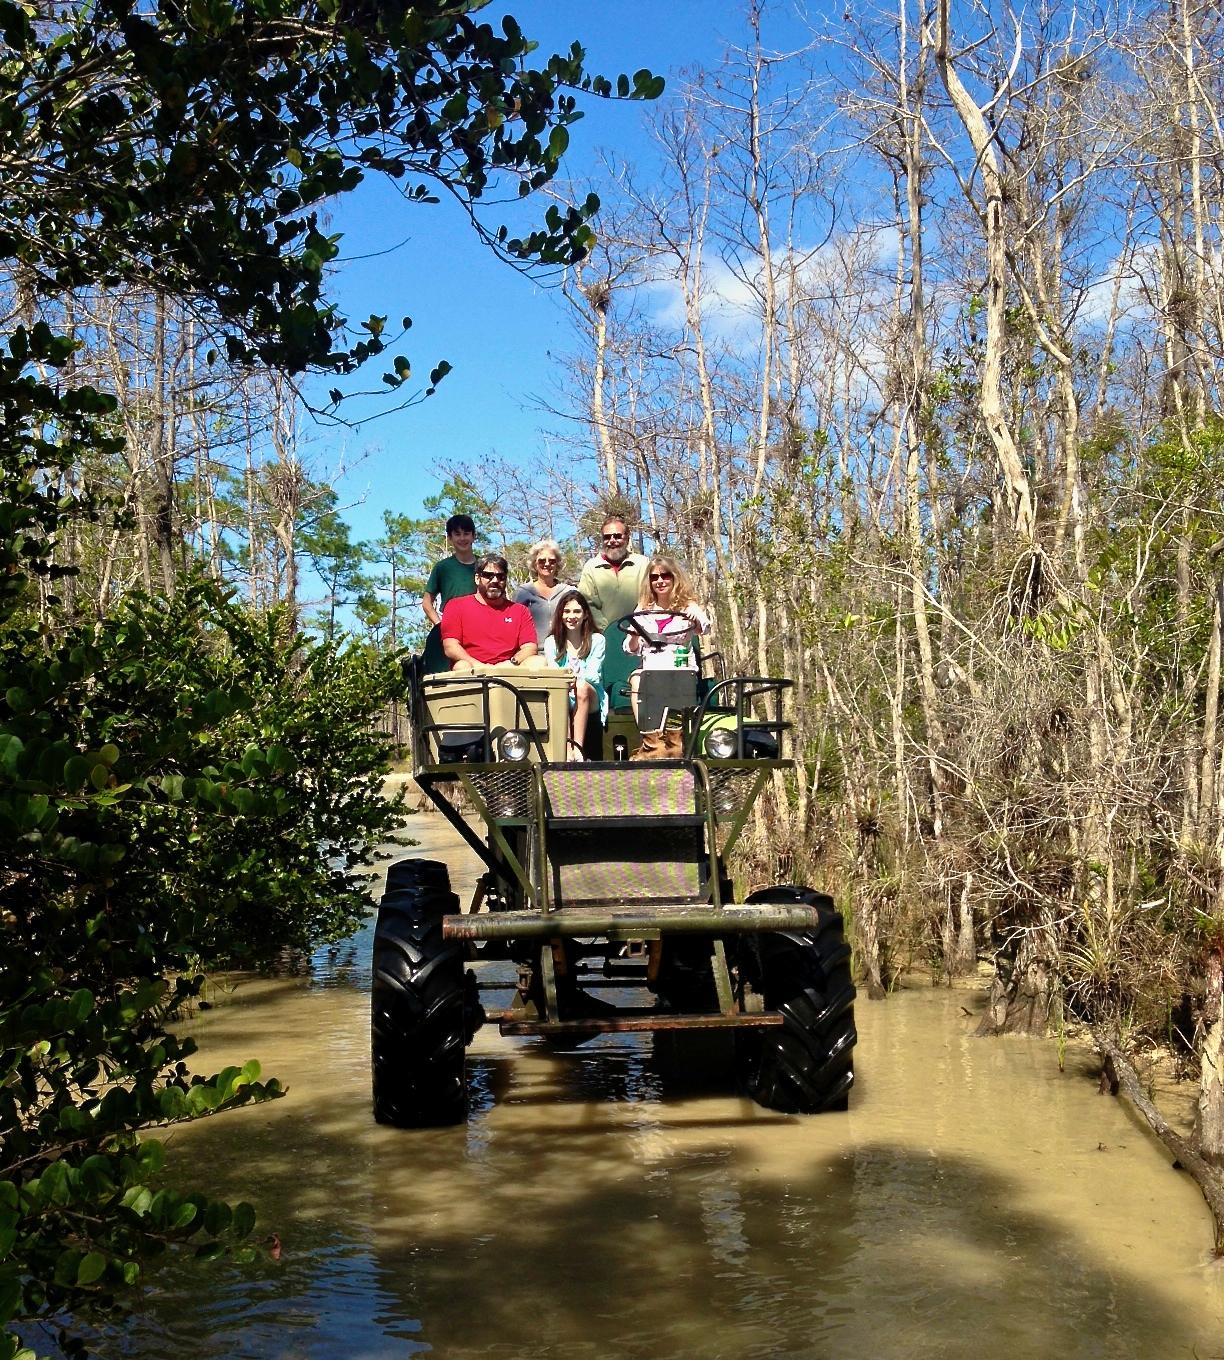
(420,1019)
(806,1065)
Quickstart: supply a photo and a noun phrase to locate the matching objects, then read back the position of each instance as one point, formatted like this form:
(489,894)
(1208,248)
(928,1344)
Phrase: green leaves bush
(184,781)
(179,784)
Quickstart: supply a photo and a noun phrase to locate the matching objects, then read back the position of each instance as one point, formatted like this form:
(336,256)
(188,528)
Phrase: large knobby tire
(418,873)
(423,1008)
(806,1064)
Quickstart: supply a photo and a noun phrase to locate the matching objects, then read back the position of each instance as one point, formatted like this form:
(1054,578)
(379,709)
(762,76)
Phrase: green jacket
(612,593)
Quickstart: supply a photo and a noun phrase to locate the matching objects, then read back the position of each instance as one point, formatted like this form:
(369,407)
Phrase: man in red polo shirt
(487,628)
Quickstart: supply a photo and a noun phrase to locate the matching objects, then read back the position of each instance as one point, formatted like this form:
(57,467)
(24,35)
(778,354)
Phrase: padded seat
(618,666)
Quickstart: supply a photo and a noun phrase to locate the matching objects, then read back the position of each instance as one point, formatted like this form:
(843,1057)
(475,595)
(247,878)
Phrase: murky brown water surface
(972,1202)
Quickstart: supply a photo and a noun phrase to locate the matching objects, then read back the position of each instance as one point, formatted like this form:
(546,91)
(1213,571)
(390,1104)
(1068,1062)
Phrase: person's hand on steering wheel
(631,624)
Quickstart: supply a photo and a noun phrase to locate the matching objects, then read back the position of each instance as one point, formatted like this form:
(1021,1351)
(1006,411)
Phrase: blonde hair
(537,548)
(682,585)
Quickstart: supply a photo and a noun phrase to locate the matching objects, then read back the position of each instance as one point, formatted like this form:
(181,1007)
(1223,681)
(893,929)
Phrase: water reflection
(973,1201)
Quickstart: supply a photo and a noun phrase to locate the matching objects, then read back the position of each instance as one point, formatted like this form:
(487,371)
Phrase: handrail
(747,689)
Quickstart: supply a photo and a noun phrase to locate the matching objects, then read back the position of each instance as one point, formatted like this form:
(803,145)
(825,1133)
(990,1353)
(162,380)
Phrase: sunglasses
(661,576)
(548,561)
(612,538)
(492,575)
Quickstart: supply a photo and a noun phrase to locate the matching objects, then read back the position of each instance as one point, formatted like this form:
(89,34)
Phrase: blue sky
(497,327)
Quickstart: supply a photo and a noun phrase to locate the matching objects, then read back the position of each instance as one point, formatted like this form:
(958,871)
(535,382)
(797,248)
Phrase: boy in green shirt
(451,577)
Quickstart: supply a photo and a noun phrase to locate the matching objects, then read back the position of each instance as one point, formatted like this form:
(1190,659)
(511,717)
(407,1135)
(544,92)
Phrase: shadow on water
(591,1208)
(615,1202)
(879,1252)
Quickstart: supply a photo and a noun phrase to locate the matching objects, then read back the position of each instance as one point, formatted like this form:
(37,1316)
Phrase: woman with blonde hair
(666,621)
(541,594)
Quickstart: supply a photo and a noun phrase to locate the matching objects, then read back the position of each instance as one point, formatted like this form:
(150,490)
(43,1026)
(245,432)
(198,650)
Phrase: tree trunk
(1024,992)
(959,943)
(599,297)
(1015,478)
(1211,713)
(896,711)
(760,208)
(1119,1074)
(911,234)
(1190,745)
(966,945)
(254,538)
(1209,1118)
(161,453)
(867,937)
(711,469)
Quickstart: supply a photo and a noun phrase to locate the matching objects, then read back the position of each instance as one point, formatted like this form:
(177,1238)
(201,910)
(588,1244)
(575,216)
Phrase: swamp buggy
(602,877)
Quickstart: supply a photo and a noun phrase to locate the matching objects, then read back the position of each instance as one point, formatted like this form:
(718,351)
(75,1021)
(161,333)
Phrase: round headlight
(513,746)
(721,743)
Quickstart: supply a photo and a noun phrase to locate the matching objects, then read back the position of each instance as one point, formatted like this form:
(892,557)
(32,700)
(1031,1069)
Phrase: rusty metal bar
(548,974)
(722,979)
(628,1023)
(633,922)
(588,984)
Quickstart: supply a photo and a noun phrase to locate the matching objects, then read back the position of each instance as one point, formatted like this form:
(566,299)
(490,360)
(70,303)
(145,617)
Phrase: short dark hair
(613,517)
(496,558)
(460,522)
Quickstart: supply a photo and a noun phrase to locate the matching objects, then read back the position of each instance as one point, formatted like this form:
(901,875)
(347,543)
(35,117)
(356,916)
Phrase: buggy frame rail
(481,731)
(737,696)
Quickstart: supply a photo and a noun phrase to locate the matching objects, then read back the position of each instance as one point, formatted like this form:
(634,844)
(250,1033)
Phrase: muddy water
(972,1202)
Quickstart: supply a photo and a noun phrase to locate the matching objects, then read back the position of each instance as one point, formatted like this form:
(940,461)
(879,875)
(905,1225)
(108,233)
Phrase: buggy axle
(632,923)
(628,1023)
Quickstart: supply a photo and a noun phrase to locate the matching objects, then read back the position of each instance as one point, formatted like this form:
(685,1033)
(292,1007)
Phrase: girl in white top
(575,646)
(668,614)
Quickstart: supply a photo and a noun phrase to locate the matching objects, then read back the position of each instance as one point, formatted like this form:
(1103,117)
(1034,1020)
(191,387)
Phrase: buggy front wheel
(806,1064)
(423,1008)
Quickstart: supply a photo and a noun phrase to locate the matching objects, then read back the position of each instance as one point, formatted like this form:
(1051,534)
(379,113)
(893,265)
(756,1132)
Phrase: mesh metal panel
(507,791)
(729,789)
(628,790)
(652,864)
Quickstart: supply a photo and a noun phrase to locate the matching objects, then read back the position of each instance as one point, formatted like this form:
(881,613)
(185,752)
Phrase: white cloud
(1136,277)
(732,291)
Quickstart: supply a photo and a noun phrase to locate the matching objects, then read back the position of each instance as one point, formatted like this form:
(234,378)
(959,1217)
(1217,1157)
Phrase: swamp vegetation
(910,343)
(186,779)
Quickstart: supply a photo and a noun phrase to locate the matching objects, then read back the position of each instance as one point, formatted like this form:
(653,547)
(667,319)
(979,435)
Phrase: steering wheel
(655,641)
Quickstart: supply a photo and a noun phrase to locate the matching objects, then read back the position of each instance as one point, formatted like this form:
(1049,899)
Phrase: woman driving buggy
(667,620)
